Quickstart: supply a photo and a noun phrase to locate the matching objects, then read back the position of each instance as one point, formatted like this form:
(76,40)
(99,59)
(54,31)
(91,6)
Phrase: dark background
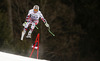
(75,23)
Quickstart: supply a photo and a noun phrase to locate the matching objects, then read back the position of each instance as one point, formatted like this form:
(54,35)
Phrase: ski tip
(53,35)
(21,39)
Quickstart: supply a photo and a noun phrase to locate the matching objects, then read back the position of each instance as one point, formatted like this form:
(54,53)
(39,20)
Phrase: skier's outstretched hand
(46,24)
(24,23)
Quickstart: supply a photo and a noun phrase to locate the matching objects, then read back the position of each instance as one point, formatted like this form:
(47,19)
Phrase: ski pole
(50,31)
(36,27)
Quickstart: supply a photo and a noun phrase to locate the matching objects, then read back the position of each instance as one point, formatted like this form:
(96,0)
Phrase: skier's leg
(24,30)
(30,31)
(32,28)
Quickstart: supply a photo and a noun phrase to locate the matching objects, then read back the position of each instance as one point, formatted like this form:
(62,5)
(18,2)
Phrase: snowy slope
(12,57)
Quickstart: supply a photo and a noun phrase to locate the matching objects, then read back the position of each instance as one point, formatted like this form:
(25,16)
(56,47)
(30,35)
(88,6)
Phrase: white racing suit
(33,19)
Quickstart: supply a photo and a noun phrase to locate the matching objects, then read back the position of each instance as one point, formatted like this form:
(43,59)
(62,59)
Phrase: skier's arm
(44,20)
(28,16)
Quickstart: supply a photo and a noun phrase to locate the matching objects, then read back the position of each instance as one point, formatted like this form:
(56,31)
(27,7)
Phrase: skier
(33,19)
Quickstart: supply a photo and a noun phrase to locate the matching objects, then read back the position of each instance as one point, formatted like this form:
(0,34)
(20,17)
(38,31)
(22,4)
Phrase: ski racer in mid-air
(33,19)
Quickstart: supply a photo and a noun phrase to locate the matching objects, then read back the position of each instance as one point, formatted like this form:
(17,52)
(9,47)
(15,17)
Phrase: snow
(12,57)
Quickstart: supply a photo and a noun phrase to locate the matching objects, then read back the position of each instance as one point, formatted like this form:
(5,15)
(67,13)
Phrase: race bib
(34,17)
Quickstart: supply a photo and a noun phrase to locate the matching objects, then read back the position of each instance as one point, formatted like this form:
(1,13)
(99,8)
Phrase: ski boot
(29,34)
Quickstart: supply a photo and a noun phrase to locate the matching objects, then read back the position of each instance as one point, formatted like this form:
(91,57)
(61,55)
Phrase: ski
(51,32)
(22,36)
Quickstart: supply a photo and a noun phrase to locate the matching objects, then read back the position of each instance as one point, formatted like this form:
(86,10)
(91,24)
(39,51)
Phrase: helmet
(36,8)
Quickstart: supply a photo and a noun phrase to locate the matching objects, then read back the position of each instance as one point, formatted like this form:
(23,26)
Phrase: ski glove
(24,23)
(46,24)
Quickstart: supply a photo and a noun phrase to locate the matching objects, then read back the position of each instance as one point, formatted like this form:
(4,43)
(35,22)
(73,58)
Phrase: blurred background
(75,23)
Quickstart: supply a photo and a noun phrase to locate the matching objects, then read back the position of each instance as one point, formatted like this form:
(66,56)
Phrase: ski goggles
(35,10)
